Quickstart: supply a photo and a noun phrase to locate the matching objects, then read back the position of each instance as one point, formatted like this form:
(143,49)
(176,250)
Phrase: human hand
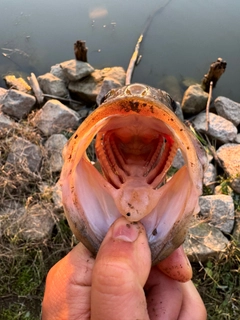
(120,283)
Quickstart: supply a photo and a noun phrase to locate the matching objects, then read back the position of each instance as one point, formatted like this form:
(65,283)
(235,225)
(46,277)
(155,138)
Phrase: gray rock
(52,85)
(107,85)
(25,154)
(5,122)
(76,70)
(55,117)
(54,146)
(38,223)
(3,93)
(228,109)
(210,176)
(178,160)
(204,241)
(57,197)
(58,72)
(219,211)
(229,154)
(194,99)
(83,113)
(89,87)
(31,224)
(178,111)
(17,83)
(219,128)
(17,104)
(10,212)
(237,139)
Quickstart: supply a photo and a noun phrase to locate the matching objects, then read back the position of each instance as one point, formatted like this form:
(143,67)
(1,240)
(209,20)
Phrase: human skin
(120,282)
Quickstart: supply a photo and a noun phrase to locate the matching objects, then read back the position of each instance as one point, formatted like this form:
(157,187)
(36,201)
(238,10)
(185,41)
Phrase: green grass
(219,284)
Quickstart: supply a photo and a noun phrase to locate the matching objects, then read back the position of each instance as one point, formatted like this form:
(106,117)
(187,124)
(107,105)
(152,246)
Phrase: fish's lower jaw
(136,199)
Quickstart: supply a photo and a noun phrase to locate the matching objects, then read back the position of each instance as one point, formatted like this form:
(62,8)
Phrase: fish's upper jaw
(141,91)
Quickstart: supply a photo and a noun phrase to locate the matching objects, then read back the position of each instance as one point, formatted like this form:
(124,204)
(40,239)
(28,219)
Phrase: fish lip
(115,106)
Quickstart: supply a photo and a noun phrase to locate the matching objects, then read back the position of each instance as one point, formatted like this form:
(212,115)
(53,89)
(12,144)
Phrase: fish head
(137,135)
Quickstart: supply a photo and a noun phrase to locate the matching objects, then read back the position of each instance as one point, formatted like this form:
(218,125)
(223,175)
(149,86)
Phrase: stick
(134,57)
(36,88)
(215,71)
(40,95)
(208,105)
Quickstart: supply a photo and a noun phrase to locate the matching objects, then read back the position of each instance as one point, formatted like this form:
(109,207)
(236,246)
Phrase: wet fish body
(137,136)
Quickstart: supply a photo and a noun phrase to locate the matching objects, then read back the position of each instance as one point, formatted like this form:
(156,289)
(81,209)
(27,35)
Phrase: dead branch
(215,71)
(36,88)
(135,54)
(40,95)
(208,105)
(80,50)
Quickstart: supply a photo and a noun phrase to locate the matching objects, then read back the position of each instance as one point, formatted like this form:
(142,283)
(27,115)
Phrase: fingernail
(124,230)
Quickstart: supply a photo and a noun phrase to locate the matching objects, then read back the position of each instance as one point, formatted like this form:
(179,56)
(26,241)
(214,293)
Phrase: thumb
(121,269)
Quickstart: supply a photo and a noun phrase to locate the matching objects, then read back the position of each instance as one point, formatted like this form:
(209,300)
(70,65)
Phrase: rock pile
(47,128)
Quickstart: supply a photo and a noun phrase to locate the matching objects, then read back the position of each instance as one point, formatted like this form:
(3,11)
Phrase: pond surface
(182,41)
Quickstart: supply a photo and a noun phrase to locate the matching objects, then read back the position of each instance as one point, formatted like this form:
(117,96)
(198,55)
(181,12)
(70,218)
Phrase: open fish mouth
(137,136)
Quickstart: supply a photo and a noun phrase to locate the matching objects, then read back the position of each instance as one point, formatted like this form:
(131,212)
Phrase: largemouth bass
(137,136)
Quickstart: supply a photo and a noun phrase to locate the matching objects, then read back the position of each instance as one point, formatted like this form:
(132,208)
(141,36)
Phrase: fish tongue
(135,198)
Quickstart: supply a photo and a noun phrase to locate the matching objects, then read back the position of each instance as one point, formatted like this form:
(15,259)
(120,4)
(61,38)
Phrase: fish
(137,135)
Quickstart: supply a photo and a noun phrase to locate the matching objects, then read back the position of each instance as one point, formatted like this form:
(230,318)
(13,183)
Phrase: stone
(237,139)
(83,113)
(32,224)
(26,154)
(17,83)
(52,85)
(57,197)
(178,111)
(210,176)
(107,85)
(228,109)
(218,128)
(178,160)
(75,70)
(10,212)
(55,117)
(219,211)
(58,72)
(171,85)
(3,93)
(229,154)
(194,99)
(17,104)
(5,122)
(204,241)
(38,223)
(54,146)
(89,88)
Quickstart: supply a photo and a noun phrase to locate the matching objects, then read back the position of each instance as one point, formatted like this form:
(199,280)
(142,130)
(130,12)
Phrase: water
(182,40)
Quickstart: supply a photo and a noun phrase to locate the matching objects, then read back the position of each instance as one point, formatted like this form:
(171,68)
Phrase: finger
(177,266)
(164,296)
(192,306)
(68,285)
(120,272)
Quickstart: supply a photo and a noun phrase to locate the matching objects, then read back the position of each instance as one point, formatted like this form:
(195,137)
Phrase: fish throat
(128,153)
(135,159)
